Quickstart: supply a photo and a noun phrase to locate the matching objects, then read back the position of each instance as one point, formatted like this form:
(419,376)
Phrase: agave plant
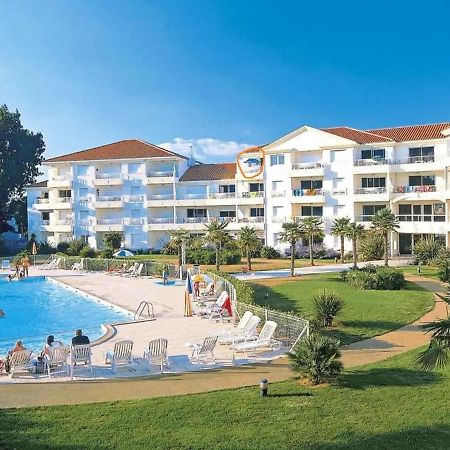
(316,358)
(327,304)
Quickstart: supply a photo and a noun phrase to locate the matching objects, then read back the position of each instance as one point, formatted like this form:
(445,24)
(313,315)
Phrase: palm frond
(434,357)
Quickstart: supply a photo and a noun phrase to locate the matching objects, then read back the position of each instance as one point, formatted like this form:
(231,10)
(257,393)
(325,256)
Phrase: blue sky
(220,74)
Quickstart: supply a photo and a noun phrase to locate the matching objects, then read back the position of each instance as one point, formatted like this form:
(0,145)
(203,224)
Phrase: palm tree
(291,234)
(217,235)
(312,228)
(384,222)
(248,242)
(353,232)
(178,238)
(339,228)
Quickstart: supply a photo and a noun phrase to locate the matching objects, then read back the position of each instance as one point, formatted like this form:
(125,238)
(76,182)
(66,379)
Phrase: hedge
(244,291)
(371,278)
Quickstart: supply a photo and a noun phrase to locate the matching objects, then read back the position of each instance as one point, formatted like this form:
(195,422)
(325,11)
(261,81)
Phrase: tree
(113,239)
(178,238)
(385,222)
(354,232)
(217,235)
(339,229)
(20,156)
(291,233)
(311,228)
(249,243)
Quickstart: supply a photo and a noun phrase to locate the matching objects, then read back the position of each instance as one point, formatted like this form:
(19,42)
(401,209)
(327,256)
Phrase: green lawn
(425,271)
(365,314)
(389,405)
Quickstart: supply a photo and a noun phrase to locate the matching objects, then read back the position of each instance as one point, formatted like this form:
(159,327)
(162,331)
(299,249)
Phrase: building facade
(145,191)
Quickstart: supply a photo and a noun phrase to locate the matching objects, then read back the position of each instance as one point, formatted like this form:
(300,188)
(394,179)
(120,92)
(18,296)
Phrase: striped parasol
(187,296)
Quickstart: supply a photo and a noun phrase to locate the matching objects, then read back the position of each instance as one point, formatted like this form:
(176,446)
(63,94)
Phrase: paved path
(370,350)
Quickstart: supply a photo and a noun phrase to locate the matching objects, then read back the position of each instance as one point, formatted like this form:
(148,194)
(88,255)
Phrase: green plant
(113,239)
(244,291)
(437,355)
(361,279)
(384,222)
(249,243)
(444,269)
(354,232)
(339,228)
(378,278)
(311,228)
(88,252)
(75,247)
(291,233)
(327,305)
(370,246)
(217,235)
(426,250)
(106,253)
(269,252)
(178,238)
(316,358)
(63,247)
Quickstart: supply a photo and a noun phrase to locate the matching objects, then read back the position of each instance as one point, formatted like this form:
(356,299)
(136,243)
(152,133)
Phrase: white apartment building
(144,191)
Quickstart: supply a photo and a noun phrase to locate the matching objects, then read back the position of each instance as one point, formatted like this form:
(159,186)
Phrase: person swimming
(2,313)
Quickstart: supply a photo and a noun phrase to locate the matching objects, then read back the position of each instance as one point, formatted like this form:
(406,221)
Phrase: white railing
(63,199)
(161,197)
(415,159)
(251,194)
(257,219)
(85,222)
(407,189)
(307,192)
(109,198)
(220,195)
(158,220)
(135,198)
(194,220)
(62,222)
(67,177)
(420,218)
(192,197)
(371,190)
(160,174)
(83,200)
(43,200)
(109,221)
(135,221)
(224,219)
(371,162)
(364,218)
(102,176)
(337,191)
(305,166)
(279,194)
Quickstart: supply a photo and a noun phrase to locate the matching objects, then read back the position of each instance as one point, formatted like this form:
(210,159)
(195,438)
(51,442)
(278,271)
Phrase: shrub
(444,269)
(371,247)
(319,252)
(269,252)
(106,253)
(63,247)
(75,247)
(207,256)
(426,250)
(316,358)
(46,249)
(377,278)
(327,304)
(113,239)
(361,279)
(389,279)
(244,291)
(370,268)
(88,252)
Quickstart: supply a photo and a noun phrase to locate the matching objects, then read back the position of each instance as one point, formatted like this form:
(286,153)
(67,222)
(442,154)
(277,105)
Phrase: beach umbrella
(34,252)
(198,278)
(187,296)
(122,253)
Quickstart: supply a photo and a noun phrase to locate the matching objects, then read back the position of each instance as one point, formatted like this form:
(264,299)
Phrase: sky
(219,75)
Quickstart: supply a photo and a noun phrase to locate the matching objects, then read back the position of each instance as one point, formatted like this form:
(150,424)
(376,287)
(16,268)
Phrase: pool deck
(169,323)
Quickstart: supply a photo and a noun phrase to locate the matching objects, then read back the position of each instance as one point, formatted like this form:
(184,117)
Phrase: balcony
(422,223)
(415,160)
(60,181)
(109,225)
(409,189)
(160,200)
(371,194)
(60,226)
(135,198)
(420,218)
(307,169)
(42,204)
(257,219)
(278,194)
(108,179)
(376,165)
(134,222)
(160,177)
(106,201)
(221,195)
(61,203)
(417,163)
(371,162)
(251,198)
(308,195)
(370,190)
(364,218)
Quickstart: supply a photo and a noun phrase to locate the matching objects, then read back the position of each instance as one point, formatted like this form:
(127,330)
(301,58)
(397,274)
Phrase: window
(134,168)
(422,213)
(84,238)
(256,187)
(421,180)
(276,160)
(311,184)
(370,210)
(227,188)
(277,186)
(316,211)
(65,193)
(45,215)
(373,182)
(422,152)
(373,153)
(256,212)
(277,211)
(231,213)
(82,170)
(196,212)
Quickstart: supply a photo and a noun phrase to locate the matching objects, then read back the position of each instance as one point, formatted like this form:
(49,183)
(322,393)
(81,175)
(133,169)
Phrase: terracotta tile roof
(39,184)
(207,172)
(360,136)
(127,149)
(413,132)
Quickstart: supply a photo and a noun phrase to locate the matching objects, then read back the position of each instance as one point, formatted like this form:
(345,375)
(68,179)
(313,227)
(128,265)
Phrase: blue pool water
(36,307)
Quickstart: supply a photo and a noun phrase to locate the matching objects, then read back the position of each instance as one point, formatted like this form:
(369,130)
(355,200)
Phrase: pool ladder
(141,308)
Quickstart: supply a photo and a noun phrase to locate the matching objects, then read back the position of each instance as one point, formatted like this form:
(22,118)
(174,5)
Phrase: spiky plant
(327,304)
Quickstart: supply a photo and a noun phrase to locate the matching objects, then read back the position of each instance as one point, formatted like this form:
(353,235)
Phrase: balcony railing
(415,159)
(67,177)
(257,219)
(160,174)
(135,221)
(192,197)
(135,198)
(161,197)
(308,192)
(371,162)
(43,200)
(305,166)
(63,199)
(103,176)
(62,222)
(109,198)
(220,195)
(278,194)
(251,194)
(364,218)
(194,220)
(408,189)
(420,218)
(109,221)
(371,190)
(157,220)
(85,222)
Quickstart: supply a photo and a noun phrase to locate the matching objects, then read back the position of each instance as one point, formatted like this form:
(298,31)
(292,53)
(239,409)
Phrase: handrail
(140,310)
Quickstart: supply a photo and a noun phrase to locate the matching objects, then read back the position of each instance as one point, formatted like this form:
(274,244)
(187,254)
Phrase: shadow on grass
(292,394)
(363,379)
(266,296)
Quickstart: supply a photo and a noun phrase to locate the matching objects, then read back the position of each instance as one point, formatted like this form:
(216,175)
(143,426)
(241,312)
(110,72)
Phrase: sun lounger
(120,356)
(217,305)
(53,264)
(128,271)
(78,266)
(20,362)
(235,335)
(57,357)
(157,353)
(263,340)
(203,351)
(6,265)
(80,354)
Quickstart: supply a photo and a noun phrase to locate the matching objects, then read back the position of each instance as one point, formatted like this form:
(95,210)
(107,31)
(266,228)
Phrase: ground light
(263,388)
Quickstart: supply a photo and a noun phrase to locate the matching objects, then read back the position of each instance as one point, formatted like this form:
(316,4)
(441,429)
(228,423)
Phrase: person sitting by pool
(17,348)
(51,343)
(80,339)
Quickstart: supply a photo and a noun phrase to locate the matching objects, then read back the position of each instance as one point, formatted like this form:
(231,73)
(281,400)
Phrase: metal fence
(290,328)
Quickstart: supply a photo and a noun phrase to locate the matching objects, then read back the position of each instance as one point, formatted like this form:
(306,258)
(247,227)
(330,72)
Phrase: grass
(389,405)
(365,314)
(425,271)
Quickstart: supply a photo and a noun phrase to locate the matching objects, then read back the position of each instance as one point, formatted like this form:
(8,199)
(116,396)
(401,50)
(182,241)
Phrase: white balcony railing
(103,176)
(160,174)
(415,159)
(135,198)
(109,198)
(420,218)
(62,222)
(161,197)
(194,220)
(278,194)
(67,177)
(371,162)
(220,195)
(308,192)
(257,219)
(43,200)
(305,166)
(63,199)
(157,220)
(371,190)
(251,194)
(139,221)
(109,221)
(85,222)
(364,218)
(407,189)
(192,197)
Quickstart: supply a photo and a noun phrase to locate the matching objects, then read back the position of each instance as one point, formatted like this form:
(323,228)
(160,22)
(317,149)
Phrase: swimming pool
(36,307)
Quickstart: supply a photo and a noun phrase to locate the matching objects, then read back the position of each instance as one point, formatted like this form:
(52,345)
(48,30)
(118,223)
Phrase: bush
(389,279)
(46,249)
(88,252)
(269,252)
(376,278)
(361,279)
(444,269)
(319,252)
(316,358)
(371,247)
(427,250)
(327,304)
(63,247)
(113,239)
(75,247)
(207,256)
(244,291)
(106,253)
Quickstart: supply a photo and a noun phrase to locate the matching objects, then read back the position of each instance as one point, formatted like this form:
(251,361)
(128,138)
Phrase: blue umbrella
(122,253)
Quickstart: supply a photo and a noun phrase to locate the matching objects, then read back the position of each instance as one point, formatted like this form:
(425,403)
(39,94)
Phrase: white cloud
(206,149)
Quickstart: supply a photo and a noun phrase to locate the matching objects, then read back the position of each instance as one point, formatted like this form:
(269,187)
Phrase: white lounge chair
(20,362)
(6,265)
(127,272)
(79,265)
(136,272)
(205,350)
(236,335)
(80,354)
(53,264)
(207,291)
(157,353)
(120,356)
(216,306)
(264,339)
(57,357)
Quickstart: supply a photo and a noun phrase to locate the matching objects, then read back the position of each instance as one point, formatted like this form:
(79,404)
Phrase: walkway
(370,350)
